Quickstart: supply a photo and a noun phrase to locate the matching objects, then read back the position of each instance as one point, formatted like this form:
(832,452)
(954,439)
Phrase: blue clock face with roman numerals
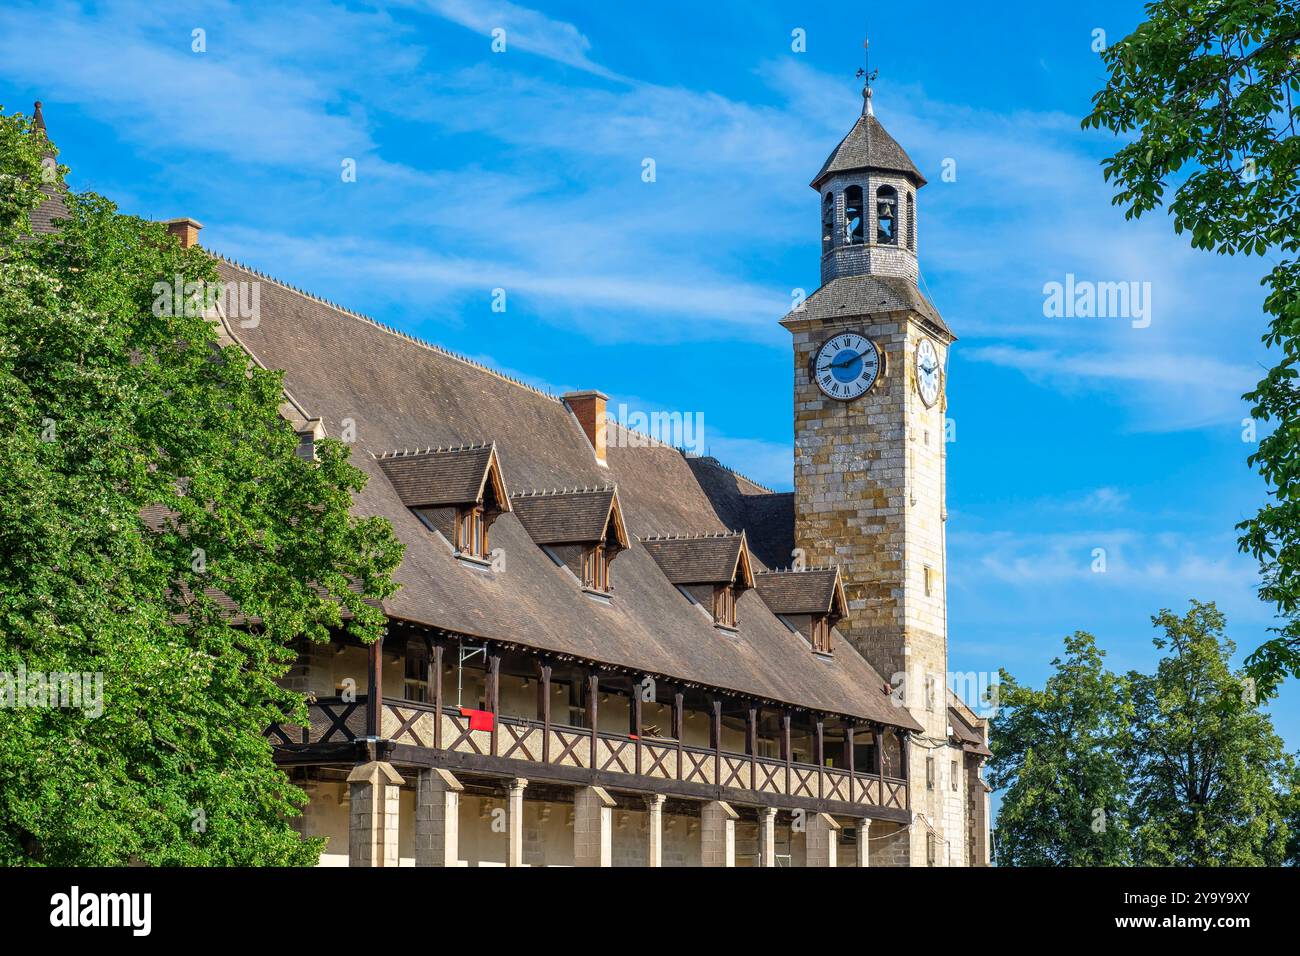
(846,366)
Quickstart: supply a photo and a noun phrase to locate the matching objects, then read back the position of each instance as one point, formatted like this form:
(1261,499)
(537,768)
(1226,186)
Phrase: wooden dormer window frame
(472,532)
(821,633)
(595,567)
(724,605)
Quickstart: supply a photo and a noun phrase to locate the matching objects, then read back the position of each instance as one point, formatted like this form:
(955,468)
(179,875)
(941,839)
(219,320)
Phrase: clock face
(927,371)
(846,365)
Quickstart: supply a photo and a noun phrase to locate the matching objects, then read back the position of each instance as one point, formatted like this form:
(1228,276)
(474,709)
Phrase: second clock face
(846,366)
(927,371)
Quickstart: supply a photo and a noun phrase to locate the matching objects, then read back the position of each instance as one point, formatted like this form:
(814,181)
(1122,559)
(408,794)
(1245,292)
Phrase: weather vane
(865,72)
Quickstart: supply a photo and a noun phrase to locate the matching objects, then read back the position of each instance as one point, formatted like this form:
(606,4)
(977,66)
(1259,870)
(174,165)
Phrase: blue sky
(522,170)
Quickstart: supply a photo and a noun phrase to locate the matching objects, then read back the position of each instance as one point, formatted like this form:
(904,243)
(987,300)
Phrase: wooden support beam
(435,667)
(634,719)
(715,735)
(593,695)
(785,746)
(544,706)
(494,693)
(375,689)
(848,760)
(679,723)
(821,758)
(751,744)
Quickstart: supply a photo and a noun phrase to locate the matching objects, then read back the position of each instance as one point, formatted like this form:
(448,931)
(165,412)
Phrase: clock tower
(870,354)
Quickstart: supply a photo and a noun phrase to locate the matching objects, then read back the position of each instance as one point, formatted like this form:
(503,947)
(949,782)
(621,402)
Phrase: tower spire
(38,118)
(866,74)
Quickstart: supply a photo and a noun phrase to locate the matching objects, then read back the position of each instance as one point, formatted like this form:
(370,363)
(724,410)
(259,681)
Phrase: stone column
(821,836)
(864,846)
(767,836)
(654,804)
(592,835)
(717,834)
(373,792)
(515,822)
(437,819)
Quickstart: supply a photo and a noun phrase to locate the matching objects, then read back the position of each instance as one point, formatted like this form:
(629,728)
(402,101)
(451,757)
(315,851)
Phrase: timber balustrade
(405,722)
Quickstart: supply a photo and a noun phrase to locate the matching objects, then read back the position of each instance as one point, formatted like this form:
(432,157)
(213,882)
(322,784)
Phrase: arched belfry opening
(867,191)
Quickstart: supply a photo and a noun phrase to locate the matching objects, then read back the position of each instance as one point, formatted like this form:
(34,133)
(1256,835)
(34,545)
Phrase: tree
(1058,753)
(1211,782)
(1209,92)
(147,486)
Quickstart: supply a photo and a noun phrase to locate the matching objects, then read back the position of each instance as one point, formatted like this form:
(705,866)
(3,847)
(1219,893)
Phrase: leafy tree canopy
(145,473)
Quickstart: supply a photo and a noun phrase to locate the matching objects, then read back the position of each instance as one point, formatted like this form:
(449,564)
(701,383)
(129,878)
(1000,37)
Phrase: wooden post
(821,759)
(785,746)
(880,760)
(848,760)
(679,724)
(544,707)
(375,691)
(715,733)
(435,665)
(904,759)
(634,718)
(593,692)
(751,744)
(494,693)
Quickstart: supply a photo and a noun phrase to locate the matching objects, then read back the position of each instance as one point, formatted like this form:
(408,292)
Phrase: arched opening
(887,215)
(911,223)
(853,231)
(828,222)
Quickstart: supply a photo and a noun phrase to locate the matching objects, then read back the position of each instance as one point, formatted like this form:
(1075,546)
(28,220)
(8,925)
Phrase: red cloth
(478,719)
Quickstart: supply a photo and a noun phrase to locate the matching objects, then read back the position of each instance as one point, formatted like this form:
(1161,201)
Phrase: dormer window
(595,568)
(581,529)
(711,569)
(724,606)
(821,634)
(472,533)
(456,491)
(811,602)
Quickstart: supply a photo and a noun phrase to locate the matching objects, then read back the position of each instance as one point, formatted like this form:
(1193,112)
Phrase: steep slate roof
(867,295)
(766,516)
(814,591)
(438,477)
(962,722)
(569,517)
(700,559)
(404,393)
(868,146)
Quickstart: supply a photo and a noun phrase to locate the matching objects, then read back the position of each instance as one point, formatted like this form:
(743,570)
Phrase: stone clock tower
(869,453)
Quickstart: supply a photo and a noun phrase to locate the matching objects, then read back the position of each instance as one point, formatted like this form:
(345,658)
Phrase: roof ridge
(557,492)
(392,330)
(704,535)
(819,567)
(432,450)
(738,474)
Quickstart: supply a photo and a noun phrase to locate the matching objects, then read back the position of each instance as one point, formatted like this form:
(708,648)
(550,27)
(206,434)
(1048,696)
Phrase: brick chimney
(186,230)
(589,408)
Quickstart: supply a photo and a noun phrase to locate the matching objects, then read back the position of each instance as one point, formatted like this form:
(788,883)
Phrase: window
(415,684)
(929,773)
(853,215)
(306,446)
(954,776)
(911,223)
(930,696)
(828,223)
(471,533)
(929,849)
(929,581)
(821,634)
(724,606)
(595,568)
(887,215)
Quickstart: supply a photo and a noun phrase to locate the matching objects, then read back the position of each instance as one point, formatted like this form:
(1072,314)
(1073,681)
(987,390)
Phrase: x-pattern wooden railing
(414,724)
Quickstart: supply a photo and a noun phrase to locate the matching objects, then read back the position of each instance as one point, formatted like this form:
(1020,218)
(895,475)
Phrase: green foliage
(1210,778)
(1187,768)
(1208,92)
(1058,753)
(114,411)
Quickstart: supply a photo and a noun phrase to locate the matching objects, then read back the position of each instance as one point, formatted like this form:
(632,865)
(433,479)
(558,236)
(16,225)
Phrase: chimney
(186,230)
(589,408)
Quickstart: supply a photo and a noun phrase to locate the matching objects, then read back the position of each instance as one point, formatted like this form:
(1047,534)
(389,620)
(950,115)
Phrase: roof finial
(38,118)
(866,74)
